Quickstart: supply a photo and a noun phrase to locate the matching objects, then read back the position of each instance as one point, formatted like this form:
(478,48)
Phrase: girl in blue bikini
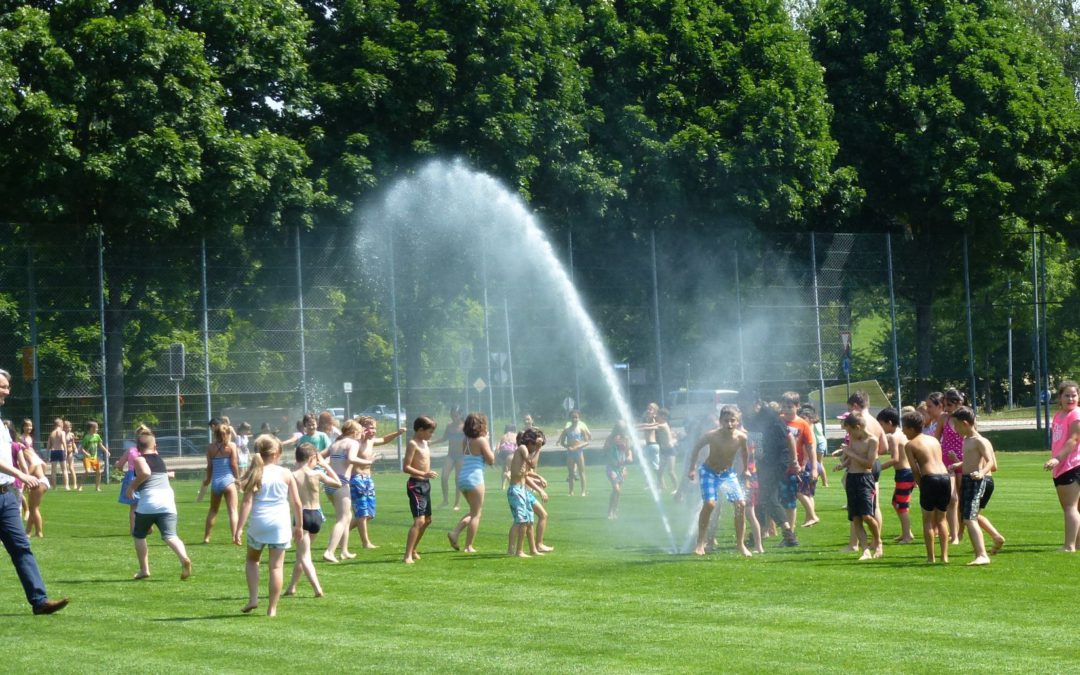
(221,474)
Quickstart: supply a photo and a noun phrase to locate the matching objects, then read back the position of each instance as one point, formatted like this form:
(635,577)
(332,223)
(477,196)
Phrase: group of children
(959,478)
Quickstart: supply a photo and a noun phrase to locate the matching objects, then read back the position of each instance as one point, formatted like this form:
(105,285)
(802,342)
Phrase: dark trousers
(768,506)
(18,547)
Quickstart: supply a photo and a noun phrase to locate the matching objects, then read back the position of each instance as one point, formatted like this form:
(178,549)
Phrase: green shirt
(90,445)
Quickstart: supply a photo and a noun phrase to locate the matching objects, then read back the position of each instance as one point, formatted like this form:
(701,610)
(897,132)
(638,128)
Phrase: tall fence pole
(206,335)
(738,324)
(1035,334)
(970,333)
(892,316)
(487,344)
(1045,341)
(510,361)
(394,326)
(101,318)
(35,388)
(577,374)
(817,323)
(656,322)
(300,308)
(1008,287)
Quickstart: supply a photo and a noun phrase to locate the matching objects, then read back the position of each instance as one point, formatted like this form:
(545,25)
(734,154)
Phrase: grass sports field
(607,600)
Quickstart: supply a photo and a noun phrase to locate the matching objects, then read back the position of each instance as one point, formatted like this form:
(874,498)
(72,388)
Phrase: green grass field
(609,599)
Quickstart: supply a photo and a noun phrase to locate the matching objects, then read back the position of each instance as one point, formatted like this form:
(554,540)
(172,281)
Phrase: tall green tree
(958,121)
(117,122)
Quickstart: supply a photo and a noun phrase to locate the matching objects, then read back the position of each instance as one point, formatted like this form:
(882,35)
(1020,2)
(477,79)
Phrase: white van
(693,404)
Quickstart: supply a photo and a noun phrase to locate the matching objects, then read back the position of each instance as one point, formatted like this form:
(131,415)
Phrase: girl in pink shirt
(1064,460)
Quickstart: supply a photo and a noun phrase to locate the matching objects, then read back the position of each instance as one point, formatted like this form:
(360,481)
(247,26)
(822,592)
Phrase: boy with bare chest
(935,485)
(717,475)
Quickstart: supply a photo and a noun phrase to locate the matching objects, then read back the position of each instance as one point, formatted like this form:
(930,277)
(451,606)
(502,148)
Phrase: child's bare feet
(1066,549)
(584,494)
(407,560)
(453,541)
(416,555)
(289,591)
(329,557)
(544,548)
(319,593)
(271,612)
(699,550)
(945,559)
(745,552)
(523,554)
(851,548)
(981,560)
(930,560)
(867,555)
(536,552)
(369,545)
(470,549)
(811,523)
(901,539)
(248,607)
(879,552)
(185,569)
(141,575)
(348,555)
(998,543)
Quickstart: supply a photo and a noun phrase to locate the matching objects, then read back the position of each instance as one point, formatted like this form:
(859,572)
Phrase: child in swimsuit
(507,445)
(575,438)
(470,482)
(31,463)
(270,494)
(619,453)
(311,469)
(221,473)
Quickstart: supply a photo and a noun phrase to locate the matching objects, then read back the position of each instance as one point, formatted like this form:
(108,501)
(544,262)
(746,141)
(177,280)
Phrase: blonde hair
(351,429)
(223,433)
(266,448)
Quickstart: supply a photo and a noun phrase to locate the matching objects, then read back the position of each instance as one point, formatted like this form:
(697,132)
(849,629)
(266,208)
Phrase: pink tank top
(1060,428)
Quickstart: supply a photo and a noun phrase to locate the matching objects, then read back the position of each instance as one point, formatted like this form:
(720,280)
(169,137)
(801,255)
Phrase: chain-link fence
(279,326)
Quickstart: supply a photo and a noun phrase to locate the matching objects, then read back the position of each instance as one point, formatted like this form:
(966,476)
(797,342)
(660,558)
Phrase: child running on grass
(976,466)
(904,479)
(156,506)
(619,454)
(418,465)
(717,475)
(270,495)
(362,485)
(310,471)
(932,476)
(860,454)
(92,445)
(519,496)
(575,438)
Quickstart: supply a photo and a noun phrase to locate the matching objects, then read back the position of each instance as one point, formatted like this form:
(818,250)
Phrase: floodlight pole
(104,359)
(577,374)
(1036,333)
(206,336)
(300,308)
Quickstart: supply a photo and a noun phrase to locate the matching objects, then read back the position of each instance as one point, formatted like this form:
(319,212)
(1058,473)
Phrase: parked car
(384,412)
(693,404)
(172,446)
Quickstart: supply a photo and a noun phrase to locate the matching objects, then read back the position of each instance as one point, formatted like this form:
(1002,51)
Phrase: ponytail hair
(223,433)
(266,448)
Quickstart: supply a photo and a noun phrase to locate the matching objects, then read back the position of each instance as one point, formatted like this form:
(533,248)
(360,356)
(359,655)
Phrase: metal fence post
(35,386)
(970,334)
(892,316)
(1035,332)
(394,326)
(1045,341)
(577,356)
(300,307)
(104,360)
(817,322)
(206,335)
(738,324)
(656,321)
(510,361)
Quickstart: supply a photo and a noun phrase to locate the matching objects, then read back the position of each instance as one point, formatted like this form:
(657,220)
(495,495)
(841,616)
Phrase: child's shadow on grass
(211,617)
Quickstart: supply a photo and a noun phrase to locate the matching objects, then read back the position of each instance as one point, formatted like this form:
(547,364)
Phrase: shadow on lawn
(211,617)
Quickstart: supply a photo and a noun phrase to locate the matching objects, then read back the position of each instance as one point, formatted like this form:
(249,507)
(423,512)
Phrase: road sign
(568,404)
(498,358)
(347,387)
(176,361)
(845,340)
(845,364)
(479,385)
(502,377)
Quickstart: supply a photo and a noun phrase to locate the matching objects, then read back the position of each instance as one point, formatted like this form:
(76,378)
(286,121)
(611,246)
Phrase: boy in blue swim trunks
(519,494)
(717,475)
(361,484)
